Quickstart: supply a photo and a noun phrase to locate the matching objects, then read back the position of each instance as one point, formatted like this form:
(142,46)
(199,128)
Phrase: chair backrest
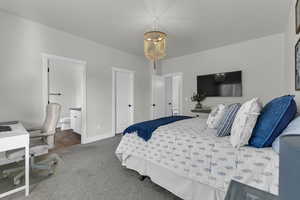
(50,123)
(52,118)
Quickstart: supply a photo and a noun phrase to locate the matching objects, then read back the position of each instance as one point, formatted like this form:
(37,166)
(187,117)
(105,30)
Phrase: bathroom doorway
(66,84)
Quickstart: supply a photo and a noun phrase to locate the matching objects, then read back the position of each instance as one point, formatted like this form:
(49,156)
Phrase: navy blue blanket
(145,129)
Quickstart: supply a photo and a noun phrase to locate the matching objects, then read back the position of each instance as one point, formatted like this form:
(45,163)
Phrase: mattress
(192,151)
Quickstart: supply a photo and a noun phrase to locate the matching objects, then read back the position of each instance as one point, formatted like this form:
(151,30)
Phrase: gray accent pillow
(225,125)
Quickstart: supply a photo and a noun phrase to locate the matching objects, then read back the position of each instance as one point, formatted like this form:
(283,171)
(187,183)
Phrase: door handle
(129,105)
(153,105)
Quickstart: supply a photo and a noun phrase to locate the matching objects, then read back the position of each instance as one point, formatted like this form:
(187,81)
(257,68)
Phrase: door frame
(132,73)
(180,88)
(45,87)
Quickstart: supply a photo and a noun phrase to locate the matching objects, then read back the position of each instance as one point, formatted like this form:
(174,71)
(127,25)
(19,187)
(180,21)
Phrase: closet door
(158,97)
(176,95)
(124,100)
(169,96)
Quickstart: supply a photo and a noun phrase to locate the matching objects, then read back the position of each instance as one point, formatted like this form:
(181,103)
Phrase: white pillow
(244,122)
(216,116)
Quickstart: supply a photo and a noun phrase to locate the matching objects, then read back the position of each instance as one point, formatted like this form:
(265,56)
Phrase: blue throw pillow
(292,129)
(225,125)
(274,118)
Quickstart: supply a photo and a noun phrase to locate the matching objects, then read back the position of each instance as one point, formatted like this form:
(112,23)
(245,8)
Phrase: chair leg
(47,164)
(20,172)
(18,177)
(48,161)
(7,172)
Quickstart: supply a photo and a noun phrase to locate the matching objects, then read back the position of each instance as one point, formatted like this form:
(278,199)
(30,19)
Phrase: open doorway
(166,95)
(65,83)
(173,92)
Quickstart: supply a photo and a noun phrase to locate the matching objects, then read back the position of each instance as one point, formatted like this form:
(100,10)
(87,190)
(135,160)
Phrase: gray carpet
(92,172)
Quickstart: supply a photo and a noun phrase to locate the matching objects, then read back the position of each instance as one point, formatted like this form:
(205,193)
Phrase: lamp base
(198,106)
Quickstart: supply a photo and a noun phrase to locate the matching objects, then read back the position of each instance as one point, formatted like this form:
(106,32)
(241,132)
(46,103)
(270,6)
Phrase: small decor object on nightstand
(199,108)
(198,98)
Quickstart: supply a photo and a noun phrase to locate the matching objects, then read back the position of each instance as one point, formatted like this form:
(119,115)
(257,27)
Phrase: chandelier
(155,45)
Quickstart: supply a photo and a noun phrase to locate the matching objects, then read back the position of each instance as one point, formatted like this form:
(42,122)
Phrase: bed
(186,158)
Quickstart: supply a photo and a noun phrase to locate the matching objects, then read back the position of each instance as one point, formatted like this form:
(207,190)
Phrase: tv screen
(227,84)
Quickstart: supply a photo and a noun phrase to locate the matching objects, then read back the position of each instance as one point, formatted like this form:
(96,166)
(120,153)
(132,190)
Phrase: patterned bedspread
(190,149)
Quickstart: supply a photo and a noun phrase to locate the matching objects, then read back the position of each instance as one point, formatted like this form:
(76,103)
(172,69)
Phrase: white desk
(15,139)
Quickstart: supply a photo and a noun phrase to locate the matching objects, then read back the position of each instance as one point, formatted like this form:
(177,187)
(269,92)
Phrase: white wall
(22,42)
(290,41)
(261,61)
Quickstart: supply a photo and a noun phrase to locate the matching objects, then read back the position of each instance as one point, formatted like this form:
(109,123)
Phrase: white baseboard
(97,138)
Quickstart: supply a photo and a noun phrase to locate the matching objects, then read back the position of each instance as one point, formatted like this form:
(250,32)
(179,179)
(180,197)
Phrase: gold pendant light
(155,44)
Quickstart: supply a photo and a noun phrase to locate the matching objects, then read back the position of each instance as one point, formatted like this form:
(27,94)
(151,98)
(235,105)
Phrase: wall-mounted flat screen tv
(227,84)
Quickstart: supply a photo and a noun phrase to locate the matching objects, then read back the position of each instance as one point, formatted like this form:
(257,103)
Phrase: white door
(169,95)
(176,95)
(158,97)
(65,85)
(124,100)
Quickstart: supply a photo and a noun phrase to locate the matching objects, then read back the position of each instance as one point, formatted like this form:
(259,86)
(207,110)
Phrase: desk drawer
(14,142)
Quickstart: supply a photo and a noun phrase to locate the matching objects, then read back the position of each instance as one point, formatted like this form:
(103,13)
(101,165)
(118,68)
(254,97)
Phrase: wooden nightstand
(201,112)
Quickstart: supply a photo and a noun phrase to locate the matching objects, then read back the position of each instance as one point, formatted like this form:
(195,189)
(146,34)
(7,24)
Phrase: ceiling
(191,25)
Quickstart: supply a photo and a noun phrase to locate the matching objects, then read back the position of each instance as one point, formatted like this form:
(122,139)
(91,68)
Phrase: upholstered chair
(48,130)
(41,141)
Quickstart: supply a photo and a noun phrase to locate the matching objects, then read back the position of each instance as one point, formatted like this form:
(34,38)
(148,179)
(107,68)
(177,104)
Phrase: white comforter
(190,149)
